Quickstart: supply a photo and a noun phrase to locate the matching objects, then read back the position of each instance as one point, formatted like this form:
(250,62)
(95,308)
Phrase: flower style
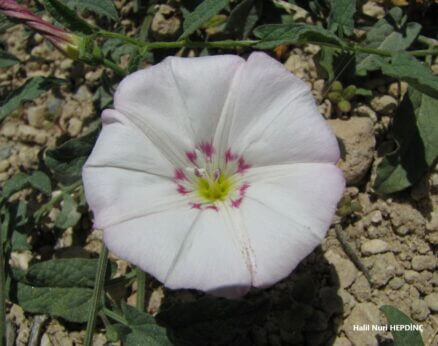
(214,173)
(66,42)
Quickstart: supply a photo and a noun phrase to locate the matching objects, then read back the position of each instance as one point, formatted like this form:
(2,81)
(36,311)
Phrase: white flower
(214,173)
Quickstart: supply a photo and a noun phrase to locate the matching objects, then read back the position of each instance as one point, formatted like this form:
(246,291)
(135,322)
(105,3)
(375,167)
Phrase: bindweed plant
(211,170)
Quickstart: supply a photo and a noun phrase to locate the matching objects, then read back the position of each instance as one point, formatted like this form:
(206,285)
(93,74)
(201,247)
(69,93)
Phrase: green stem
(2,294)
(97,294)
(141,288)
(115,316)
(116,68)
(227,44)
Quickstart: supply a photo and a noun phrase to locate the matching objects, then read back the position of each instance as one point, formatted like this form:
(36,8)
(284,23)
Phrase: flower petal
(121,180)
(210,259)
(177,103)
(275,119)
(184,248)
(288,216)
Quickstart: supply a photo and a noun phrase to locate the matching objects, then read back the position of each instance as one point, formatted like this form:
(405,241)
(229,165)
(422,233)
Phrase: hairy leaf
(40,181)
(69,216)
(72,304)
(415,130)
(390,33)
(272,35)
(341,16)
(7,60)
(407,68)
(203,12)
(403,337)
(66,161)
(101,7)
(63,272)
(33,88)
(144,329)
(67,17)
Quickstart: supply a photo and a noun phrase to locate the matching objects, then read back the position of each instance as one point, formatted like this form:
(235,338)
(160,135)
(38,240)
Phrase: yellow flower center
(212,190)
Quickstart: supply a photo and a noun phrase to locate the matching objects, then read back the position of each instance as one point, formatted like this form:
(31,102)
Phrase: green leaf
(397,318)
(407,68)
(66,161)
(144,329)
(14,184)
(238,18)
(390,33)
(272,35)
(7,60)
(203,12)
(415,130)
(69,216)
(63,272)
(72,304)
(40,181)
(101,7)
(211,320)
(67,17)
(33,88)
(341,16)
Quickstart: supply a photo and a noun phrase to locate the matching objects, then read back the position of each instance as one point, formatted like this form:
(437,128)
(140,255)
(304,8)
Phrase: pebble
(424,262)
(357,149)
(345,270)
(419,310)
(361,289)
(396,283)
(36,116)
(165,24)
(432,301)
(341,341)
(5,152)
(384,104)
(4,165)
(373,247)
(396,91)
(411,276)
(384,268)
(27,133)
(3,177)
(9,129)
(21,259)
(365,111)
(373,10)
(362,314)
(74,127)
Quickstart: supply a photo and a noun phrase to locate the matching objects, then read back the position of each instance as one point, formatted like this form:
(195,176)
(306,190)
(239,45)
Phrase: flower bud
(336,86)
(344,106)
(349,92)
(335,96)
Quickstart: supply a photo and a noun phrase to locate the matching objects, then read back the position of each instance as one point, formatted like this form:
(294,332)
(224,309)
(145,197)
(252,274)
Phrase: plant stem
(116,68)
(141,287)
(226,44)
(115,316)
(2,294)
(97,294)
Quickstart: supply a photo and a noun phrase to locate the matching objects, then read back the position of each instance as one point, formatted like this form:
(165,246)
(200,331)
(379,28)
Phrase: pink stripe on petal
(179,174)
(207,149)
(191,156)
(243,166)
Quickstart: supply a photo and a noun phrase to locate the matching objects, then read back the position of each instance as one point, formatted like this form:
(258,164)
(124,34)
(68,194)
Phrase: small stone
(361,289)
(357,146)
(396,283)
(5,152)
(341,341)
(21,259)
(74,127)
(3,177)
(411,276)
(432,301)
(28,134)
(419,310)
(4,165)
(432,224)
(345,270)
(384,104)
(66,64)
(373,247)
(398,90)
(424,262)
(372,9)
(384,268)
(362,314)
(83,94)
(365,111)
(376,217)
(9,129)
(433,238)
(165,24)
(36,116)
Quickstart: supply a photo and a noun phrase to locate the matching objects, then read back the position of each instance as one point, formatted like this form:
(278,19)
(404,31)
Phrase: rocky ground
(394,238)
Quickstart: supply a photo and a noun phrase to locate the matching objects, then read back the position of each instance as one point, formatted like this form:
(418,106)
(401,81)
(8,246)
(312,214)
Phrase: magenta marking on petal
(235,203)
(207,149)
(196,205)
(243,189)
(229,156)
(213,207)
(179,174)
(182,190)
(191,156)
(242,165)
